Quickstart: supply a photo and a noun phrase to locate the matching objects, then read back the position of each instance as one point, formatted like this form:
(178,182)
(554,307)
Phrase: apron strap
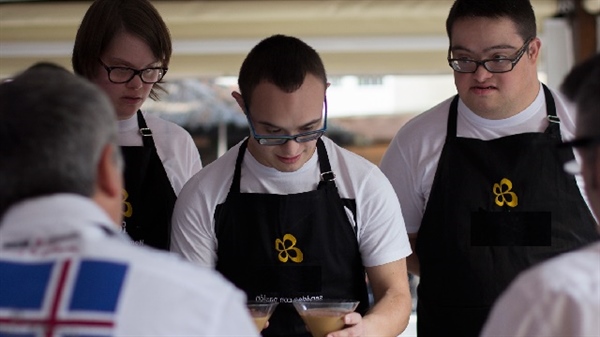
(148,142)
(145,131)
(237,173)
(553,128)
(327,175)
(451,127)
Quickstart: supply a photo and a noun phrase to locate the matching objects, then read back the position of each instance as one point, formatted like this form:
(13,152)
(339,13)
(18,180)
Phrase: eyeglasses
(572,166)
(300,138)
(125,74)
(500,65)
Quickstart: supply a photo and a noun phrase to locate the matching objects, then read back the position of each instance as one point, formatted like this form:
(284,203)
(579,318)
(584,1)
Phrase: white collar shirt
(92,280)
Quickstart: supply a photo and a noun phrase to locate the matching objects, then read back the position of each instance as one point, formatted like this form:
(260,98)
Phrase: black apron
(148,197)
(290,247)
(496,208)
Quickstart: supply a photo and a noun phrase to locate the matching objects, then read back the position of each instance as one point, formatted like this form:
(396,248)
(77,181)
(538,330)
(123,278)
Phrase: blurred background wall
(386,59)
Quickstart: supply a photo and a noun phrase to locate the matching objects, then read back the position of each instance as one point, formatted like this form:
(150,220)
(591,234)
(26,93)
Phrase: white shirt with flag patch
(65,269)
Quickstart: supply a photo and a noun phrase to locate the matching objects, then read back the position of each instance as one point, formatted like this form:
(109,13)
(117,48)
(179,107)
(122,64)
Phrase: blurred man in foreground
(65,268)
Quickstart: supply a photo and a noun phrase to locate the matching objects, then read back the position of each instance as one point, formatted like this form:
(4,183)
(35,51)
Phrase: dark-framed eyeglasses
(125,74)
(300,138)
(572,166)
(500,65)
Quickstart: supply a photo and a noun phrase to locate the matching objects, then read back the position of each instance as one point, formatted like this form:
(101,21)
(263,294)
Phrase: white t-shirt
(560,297)
(174,145)
(144,292)
(381,233)
(411,160)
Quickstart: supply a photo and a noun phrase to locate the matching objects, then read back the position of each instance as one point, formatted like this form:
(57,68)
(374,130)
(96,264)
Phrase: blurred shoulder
(170,269)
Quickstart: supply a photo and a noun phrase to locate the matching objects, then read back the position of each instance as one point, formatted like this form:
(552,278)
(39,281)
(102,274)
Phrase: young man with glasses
(287,214)
(124,47)
(479,176)
(561,297)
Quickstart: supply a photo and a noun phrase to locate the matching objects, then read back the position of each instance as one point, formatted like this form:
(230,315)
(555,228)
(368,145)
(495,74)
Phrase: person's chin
(288,167)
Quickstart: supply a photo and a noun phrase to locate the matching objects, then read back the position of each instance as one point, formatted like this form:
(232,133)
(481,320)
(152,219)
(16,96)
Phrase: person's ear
(109,182)
(240,100)
(110,176)
(533,50)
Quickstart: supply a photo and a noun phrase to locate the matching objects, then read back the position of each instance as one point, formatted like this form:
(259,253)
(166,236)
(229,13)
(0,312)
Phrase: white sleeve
(166,296)
(410,161)
(176,150)
(180,157)
(383,236)
(516,314)
(531,309)
(232,317)
(191,162)
(405,183)
(192,232)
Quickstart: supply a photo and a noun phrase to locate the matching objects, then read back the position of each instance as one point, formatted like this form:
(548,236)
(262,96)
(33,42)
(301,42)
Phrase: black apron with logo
(290,247)
(148,197)
(496,208)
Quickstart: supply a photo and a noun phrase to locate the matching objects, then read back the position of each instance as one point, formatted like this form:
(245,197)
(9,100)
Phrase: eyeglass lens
(301,138)
(492,65)
(123,74)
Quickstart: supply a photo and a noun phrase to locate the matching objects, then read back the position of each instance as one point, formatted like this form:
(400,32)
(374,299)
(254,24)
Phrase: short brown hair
(105,19)
(281,60)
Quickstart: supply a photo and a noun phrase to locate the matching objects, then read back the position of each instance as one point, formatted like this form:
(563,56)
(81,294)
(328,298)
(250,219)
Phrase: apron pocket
(510,228)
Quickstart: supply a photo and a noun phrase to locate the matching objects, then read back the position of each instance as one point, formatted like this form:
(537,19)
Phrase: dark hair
(582,85)
(518,11)
(576,80)
(105,19)
(47,65)
(53,128)
(282,60)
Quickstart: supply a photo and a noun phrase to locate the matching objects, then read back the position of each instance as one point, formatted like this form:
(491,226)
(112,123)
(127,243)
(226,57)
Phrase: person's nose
(482,74)
(135,82)
(291,147)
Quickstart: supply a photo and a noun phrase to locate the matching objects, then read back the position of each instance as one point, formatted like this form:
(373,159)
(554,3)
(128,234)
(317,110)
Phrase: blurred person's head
(503,33)
(58,135)
(115,35)
(582,85)
(282,85)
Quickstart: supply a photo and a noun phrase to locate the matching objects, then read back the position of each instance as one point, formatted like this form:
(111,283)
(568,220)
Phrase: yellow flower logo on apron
(504,195)
(127,209)
(287,250)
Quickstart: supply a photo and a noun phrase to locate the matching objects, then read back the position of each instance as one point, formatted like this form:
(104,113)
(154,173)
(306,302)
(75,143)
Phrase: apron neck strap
(453,113)
(145,131)
(554,122)
(327,175)
(237,173)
